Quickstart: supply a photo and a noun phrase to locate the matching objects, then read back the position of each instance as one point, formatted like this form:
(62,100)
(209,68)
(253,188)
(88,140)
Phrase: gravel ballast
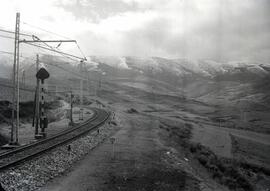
(36,172)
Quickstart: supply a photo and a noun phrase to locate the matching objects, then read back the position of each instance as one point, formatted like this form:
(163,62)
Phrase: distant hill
(205,80)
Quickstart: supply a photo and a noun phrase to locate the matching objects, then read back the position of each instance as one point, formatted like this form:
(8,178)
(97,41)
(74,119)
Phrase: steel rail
(17,156)
(5,154)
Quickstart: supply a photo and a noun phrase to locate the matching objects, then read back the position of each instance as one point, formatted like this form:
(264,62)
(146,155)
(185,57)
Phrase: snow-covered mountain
(205,80)
(187,68)
(157,67)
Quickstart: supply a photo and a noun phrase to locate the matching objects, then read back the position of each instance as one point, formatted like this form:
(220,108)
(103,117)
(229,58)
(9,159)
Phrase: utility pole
(37,100)
(17,38)
(16,94)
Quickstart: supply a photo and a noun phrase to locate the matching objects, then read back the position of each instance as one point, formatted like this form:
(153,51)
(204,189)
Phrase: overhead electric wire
(12,32)
(38,39)
(11,86)
(5,52)
(11,53)
(9,37)
(49,48)
(47,41)
(44,53)
(71,72)
(81,51)
(52,48)
(26,67)
(70,55)
(44,30)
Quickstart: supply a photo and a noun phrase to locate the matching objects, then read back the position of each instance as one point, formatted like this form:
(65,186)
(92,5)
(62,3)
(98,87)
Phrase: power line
(44,53)
(26,41)
(12,32)
(23,34)
(45,41)
(63,55)
(44,30)
(27,67)
(12,53)
(58,52)
(80,50)
(36,39)
(71,72)
(74,73)
(70,55)
(11,86)
(8,37)
(5,52)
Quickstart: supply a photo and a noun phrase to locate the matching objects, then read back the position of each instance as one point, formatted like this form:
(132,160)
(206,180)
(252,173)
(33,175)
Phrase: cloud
(95,10)
(221,30)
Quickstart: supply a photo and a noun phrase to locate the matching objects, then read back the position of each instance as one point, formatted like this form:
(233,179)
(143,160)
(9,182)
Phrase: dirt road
(135,161)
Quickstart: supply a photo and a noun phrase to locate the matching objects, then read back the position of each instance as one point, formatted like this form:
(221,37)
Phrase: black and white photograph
(134,95)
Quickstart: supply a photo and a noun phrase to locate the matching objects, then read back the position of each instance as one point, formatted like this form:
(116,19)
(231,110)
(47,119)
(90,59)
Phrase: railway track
(21,154)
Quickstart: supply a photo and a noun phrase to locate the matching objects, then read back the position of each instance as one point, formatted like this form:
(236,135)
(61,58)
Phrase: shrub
(132,110)
(202,159)
(113,123)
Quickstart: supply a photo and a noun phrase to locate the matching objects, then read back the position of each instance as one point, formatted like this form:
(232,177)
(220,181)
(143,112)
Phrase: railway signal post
(36,117)
(42,74)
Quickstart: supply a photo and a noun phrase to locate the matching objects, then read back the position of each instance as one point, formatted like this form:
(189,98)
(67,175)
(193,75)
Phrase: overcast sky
(221,30)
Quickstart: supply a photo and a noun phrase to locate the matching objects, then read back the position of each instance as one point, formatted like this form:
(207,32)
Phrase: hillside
(205,80)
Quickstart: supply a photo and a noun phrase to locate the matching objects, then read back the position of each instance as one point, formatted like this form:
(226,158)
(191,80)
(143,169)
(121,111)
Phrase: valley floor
(139,159)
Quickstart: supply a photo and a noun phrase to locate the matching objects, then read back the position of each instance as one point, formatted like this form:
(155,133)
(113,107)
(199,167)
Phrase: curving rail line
(21,154)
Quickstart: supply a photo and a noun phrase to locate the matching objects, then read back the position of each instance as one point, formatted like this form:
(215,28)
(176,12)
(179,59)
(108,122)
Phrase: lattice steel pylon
(16,92)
